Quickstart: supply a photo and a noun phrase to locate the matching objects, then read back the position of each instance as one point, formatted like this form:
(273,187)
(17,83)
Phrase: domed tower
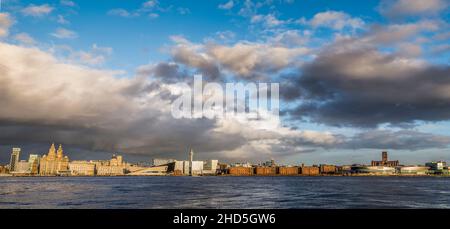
(59,154)
(52,151)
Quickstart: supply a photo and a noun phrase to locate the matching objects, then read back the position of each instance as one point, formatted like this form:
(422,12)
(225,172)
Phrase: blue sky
(356,77)
(137,40)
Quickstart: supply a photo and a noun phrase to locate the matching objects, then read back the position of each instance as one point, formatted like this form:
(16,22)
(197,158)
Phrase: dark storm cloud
(164,71)
(365,88)
(44,101)
(398,140)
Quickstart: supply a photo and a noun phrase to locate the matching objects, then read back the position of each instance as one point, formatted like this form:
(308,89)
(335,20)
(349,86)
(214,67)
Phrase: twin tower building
(54,162)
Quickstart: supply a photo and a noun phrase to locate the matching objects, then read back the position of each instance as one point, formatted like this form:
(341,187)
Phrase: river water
(224,192)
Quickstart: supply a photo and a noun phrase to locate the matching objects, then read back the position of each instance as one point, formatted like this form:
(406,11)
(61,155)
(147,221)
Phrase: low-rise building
(309,170)
(4,169)
(210,167)
(22,167)
(107,170)
(328,169)
(151,171)
(81,168)
(414,170)
(377,170)
(265,171)
(287,171)
(240,171)
(246,164)
(437,167)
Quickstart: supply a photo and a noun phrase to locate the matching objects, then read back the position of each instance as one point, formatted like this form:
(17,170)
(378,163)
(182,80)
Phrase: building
(179,167)
(240,171)
(328,169)
(151,171)
(196,168)
(22,167)
(246,164)
(186,168)
(106,170)
(375,170)
(81,168)
(33,160)
(265,171)
(116,166)
(384,161)
(436,165)
(344,169)
(270,163)
(4,171)
(414,170)
(287,171)
(54,163)
(161,161)
(15,155)
(309,170)
(191,159)
(210,167)
(116,160)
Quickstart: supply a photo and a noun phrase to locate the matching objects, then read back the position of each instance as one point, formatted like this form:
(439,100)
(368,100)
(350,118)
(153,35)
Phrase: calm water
(225,192)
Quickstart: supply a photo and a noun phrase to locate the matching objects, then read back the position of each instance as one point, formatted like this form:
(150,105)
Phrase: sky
(99,77)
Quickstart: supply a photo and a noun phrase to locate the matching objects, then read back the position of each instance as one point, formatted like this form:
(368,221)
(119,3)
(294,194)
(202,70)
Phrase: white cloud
(62,33)
(225,35)
(245,59)
(268,20)
(393,33)
(334,20)
(400,8)
(25,39)
(37,10)
(96,56)
(98,109)
(5,23)
(291,38)
(226,6)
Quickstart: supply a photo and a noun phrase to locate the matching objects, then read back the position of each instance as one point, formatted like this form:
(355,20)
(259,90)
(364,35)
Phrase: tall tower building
(14,159)
(384,156)
(52,151)
(59,153)
(119,160)
(191,158)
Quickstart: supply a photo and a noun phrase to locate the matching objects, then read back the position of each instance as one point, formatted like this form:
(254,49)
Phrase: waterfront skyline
(55,163)
(99,77)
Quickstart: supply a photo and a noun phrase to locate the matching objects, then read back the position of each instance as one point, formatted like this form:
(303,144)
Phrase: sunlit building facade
(54,163)
(82,168)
